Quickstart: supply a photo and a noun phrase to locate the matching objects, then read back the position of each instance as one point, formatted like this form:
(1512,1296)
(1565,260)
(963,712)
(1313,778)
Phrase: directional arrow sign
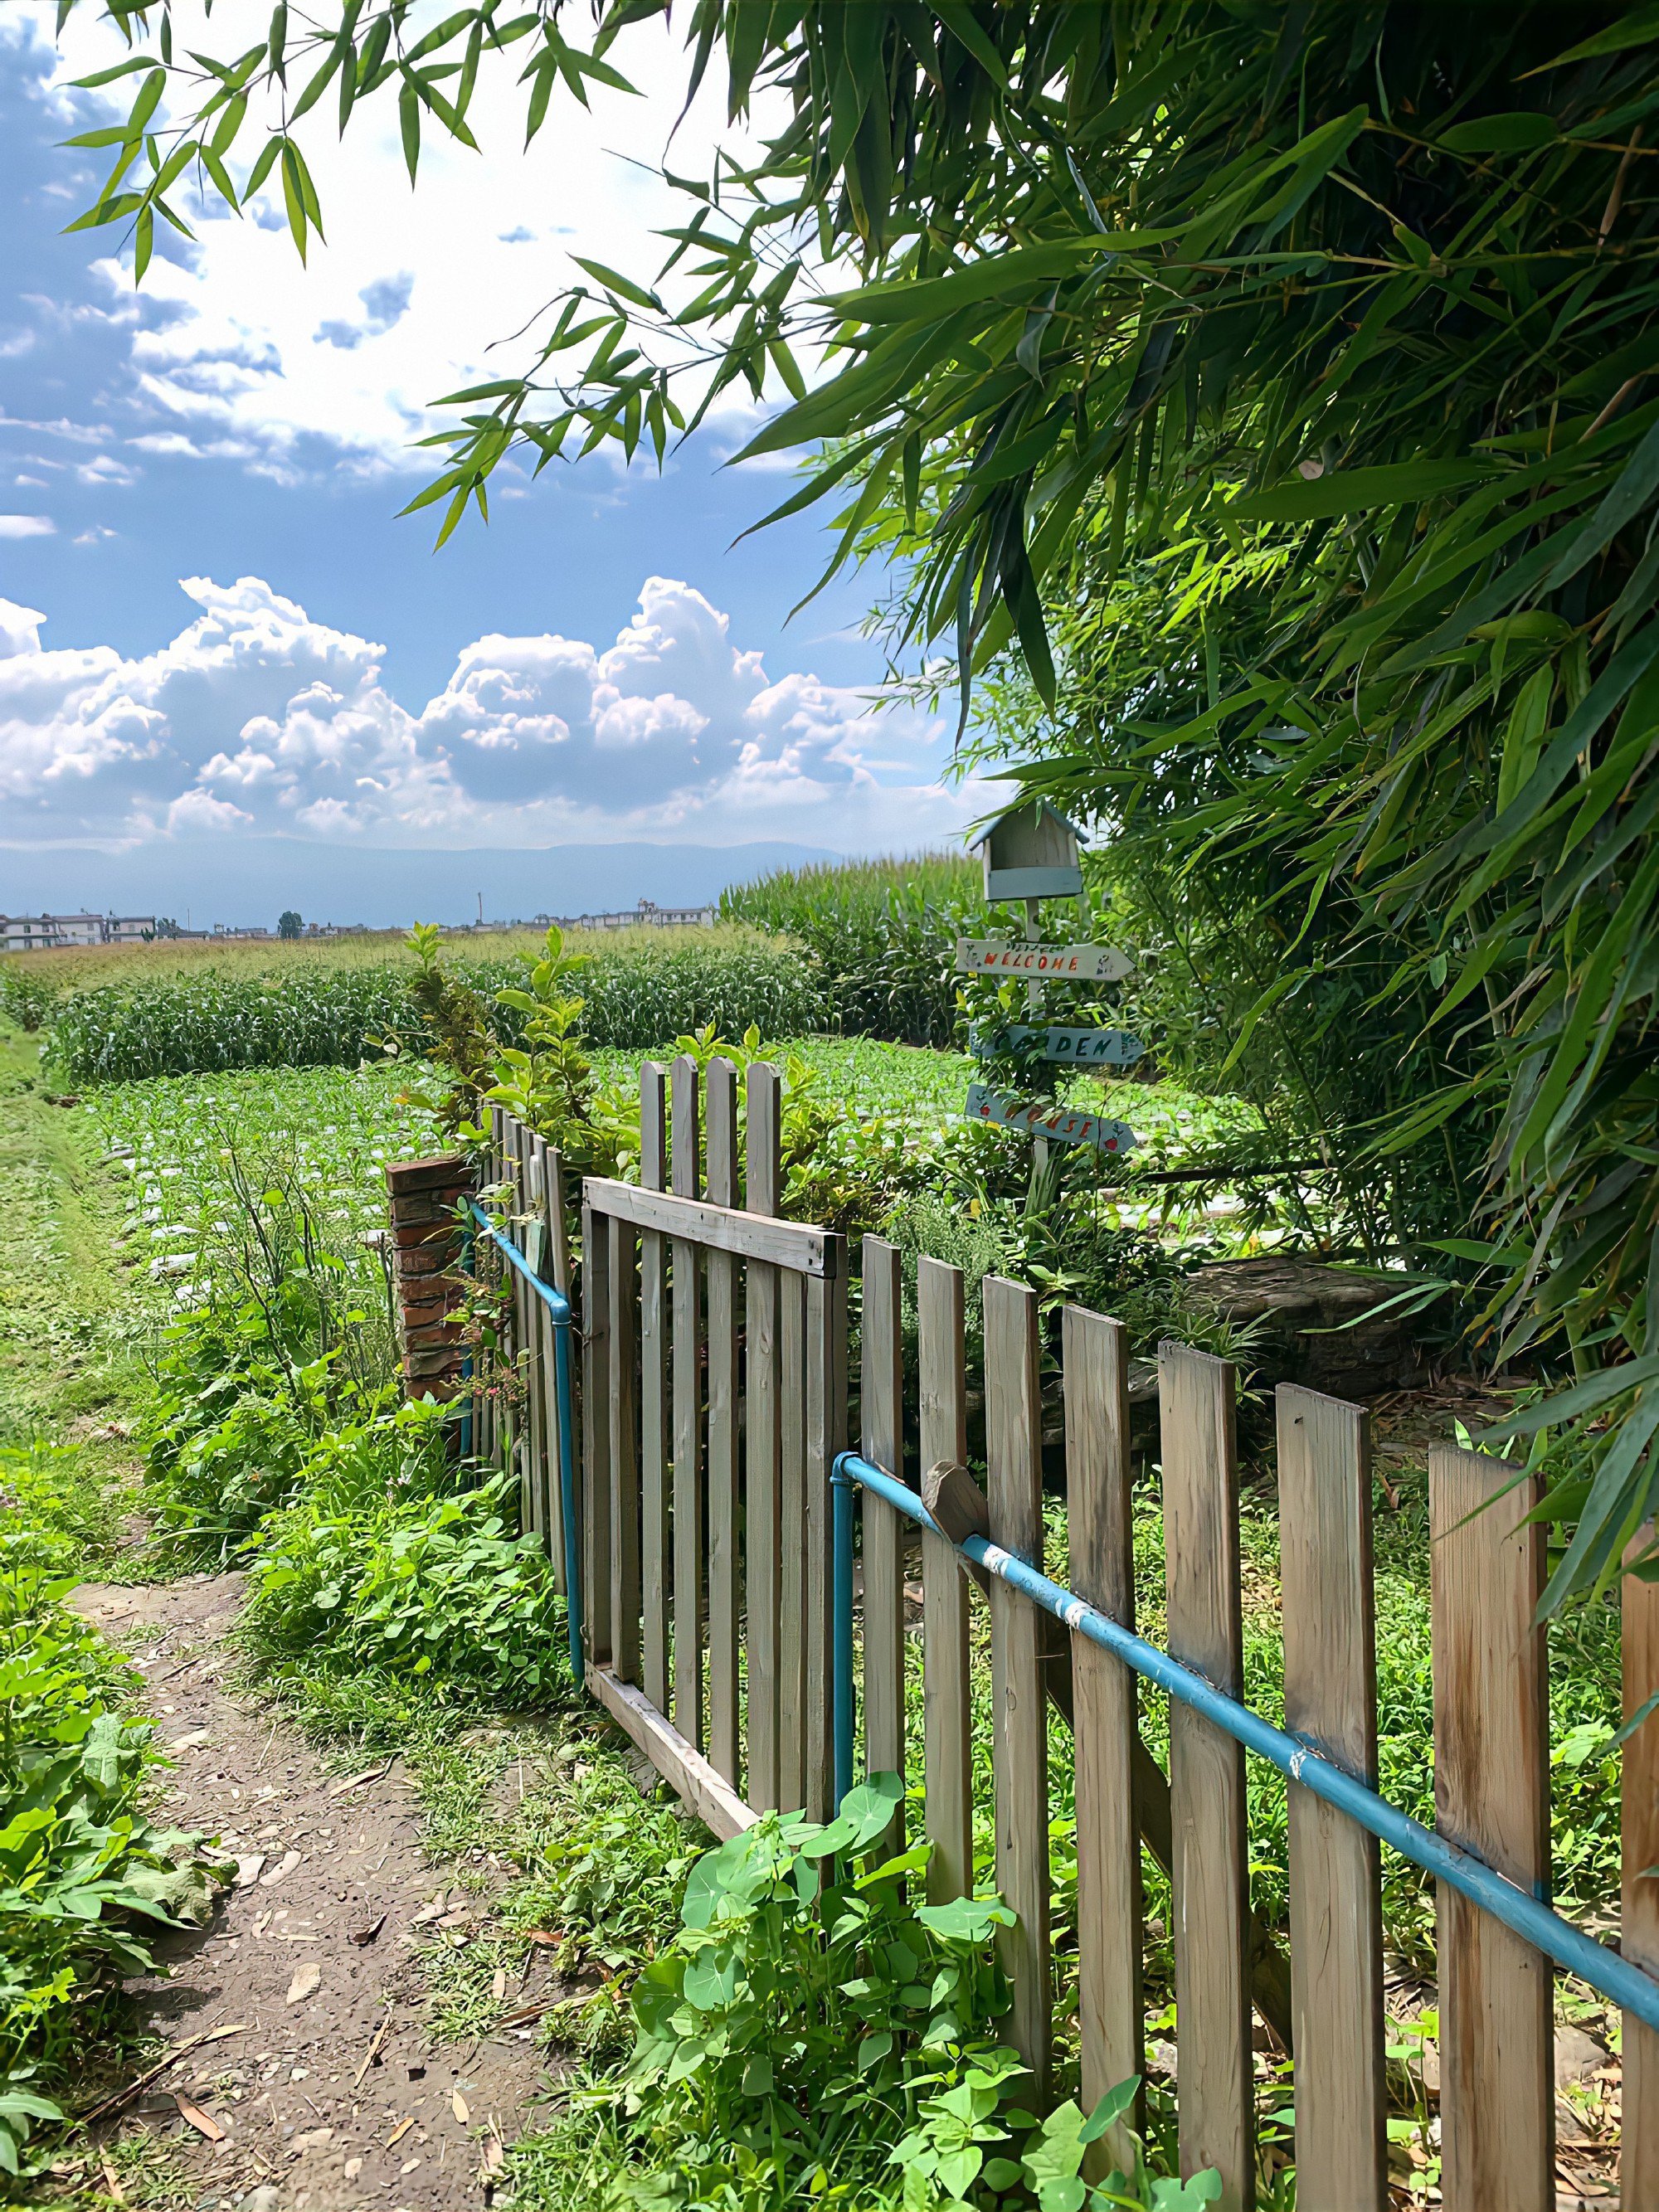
(1078,1048)
(1077,963)
(1059,1126)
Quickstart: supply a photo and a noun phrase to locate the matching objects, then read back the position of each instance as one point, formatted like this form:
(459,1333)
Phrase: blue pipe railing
(558,1306)
(1529,1916)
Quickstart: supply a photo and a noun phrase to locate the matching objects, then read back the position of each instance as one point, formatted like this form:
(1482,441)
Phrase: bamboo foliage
(1357,303)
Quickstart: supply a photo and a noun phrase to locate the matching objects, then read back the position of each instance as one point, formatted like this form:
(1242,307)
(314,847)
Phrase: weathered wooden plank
(654,1517)
(1330,1701)
(681,1764)
(826,1436)
(557,1223)
(750,1237)
(596,1436)
(625,1599)
(720,1107)
(1075,963)
(1491,1796)
(763,1444)
(946,1713)
(1639,1927)
(1101,1541)
(880,1397)
(1207,1774)
(688,1416)
(791,1542)
(1019,1732)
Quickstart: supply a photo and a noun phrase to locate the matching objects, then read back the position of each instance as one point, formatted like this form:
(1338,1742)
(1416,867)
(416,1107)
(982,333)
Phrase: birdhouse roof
(1043,807)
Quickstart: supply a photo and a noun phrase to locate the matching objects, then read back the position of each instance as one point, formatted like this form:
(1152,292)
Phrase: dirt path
(302,2122)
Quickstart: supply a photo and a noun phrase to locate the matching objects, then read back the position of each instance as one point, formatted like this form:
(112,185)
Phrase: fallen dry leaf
(431,1910)
(494,2157)
(400,2132)
(544,1935)
(306,1980)
(203,2123)
(498,1987)
(190,1742)
(357,1781)
(249,1867)
(368,1935)
(458,2105)
(111,2180)
(280,1872)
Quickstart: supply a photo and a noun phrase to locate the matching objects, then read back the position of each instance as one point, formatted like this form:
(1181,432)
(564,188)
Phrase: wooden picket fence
(714,1390)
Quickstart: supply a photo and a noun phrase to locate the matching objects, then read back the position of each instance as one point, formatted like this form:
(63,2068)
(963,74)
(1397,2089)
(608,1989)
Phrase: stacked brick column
(425,1239)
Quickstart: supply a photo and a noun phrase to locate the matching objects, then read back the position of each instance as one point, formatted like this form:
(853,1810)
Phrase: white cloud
(27,525)
(258,717)
(412,288)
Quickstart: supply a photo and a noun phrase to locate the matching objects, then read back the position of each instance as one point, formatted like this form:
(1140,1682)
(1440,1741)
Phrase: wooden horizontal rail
(681,1764)
(788,1244)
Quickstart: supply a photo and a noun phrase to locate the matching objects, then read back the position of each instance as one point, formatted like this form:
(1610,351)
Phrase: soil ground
(298,2011)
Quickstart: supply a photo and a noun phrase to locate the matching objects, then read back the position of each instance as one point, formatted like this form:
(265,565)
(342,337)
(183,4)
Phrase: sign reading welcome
(1076,964)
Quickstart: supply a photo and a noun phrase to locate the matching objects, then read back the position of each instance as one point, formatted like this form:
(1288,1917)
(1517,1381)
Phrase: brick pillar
(426,1248)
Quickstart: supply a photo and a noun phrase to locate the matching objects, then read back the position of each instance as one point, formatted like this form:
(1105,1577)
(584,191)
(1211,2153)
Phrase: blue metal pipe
(1626,1985)
(558,1308)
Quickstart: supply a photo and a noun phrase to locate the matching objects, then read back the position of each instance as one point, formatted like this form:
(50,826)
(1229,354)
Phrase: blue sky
(198,493)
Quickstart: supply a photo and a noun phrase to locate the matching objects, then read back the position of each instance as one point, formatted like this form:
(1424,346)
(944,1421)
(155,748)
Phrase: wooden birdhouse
(1031,853)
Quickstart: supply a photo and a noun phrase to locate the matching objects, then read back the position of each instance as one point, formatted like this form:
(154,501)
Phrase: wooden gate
(714,1393)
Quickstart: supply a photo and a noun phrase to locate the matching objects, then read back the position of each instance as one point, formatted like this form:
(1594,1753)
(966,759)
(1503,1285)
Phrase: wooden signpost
(1032,854)
(1075,1048)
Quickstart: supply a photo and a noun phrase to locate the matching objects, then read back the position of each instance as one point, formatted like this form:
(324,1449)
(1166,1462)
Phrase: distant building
(648,914)
(47,933)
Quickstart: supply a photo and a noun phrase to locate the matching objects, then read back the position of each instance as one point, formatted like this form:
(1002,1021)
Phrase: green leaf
(624,285)
(1356,491)
(1517,133)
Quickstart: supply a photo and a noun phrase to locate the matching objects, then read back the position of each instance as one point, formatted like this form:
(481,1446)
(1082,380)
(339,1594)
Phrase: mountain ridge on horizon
(246,882)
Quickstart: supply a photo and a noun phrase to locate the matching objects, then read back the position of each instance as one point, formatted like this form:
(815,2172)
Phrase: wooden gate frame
(706,1546)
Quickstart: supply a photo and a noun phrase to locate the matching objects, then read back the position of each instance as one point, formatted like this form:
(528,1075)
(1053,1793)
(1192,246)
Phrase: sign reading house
(1072,964)
(1045,1119)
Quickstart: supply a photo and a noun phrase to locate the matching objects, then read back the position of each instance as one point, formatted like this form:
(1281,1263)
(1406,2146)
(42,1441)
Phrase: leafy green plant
(387,1566)
(83,1875)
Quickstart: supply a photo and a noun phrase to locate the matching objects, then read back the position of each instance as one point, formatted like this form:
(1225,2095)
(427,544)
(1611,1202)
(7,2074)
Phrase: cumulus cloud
(256,718)
(27,525)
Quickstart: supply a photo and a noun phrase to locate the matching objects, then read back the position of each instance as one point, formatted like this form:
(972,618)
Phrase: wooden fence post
(880,1399)
(596,1434)
(721,1106)
(763,1444)
(1330,1701)
(1639,1927)
(1206,1774)
(1019,1719)
(1101,1535)
(625,1599)
(654,1520)
(1491,1796)
(826,1433)
(792,1541)
(945,1709)
(687,1418)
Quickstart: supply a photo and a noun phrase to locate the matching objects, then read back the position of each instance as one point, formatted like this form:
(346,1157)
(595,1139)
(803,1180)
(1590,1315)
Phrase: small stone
(264,2198)
(354,2166)
(313,2139)
(1577,2055)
